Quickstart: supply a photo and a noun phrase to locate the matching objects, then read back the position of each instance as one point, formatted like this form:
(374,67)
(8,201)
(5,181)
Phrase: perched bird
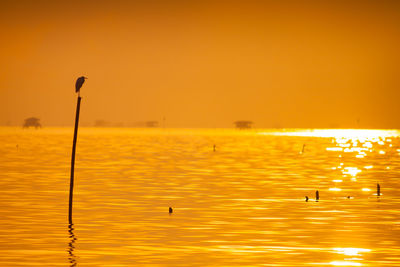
(79,83)
(170,210)
(316,195)
(306,198)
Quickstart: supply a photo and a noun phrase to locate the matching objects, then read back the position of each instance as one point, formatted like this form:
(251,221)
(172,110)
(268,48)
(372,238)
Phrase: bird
(170,210)
(306,198)
(316,195)
(79,83)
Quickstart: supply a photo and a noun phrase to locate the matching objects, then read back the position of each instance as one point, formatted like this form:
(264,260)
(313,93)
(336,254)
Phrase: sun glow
(335,189)
(353,171)
(345,263)
(351,251)
(355,134)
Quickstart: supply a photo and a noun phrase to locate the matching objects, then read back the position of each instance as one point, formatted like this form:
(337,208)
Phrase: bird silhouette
(79,83)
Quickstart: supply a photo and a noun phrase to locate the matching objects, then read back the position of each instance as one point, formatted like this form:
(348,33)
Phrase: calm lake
(242,205)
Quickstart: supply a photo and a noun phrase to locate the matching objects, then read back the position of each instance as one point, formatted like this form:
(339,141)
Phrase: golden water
(242,205)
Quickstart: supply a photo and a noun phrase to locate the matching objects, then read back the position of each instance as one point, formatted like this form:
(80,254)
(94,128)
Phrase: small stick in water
(306,198)
(316,195)
(378,189)
(302,150)
(170,210)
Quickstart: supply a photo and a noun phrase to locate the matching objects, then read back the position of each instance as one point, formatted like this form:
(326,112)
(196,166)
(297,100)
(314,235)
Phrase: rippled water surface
(242,205)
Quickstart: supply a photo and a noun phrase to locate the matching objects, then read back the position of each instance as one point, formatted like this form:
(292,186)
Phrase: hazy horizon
(281,64)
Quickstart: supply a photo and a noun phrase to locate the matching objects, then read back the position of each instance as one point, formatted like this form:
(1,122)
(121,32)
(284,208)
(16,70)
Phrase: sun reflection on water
(351,251)
(335,189)
(239,206)
(345,263)
(353,134)
(353,171)
(355,252)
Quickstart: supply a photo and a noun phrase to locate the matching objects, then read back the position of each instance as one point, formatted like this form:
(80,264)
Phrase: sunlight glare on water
(242,205)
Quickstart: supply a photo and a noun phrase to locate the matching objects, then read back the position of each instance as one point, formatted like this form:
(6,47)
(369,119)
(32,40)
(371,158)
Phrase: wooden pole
(71,183)
(378,189)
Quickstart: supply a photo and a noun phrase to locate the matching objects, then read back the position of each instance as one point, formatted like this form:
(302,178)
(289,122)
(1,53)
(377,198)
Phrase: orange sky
(202,63)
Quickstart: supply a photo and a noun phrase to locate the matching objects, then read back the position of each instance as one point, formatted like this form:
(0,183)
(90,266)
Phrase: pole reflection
(71,245)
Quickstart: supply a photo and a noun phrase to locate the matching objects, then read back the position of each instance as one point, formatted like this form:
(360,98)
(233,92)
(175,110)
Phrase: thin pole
(378,190)
(71,183)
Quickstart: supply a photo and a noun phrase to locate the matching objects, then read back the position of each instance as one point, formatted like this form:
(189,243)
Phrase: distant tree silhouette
(151,124)
(32,121)
(243,124)
(101,123)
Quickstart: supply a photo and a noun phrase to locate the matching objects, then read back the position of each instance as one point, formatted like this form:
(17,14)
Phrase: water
(242,205)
